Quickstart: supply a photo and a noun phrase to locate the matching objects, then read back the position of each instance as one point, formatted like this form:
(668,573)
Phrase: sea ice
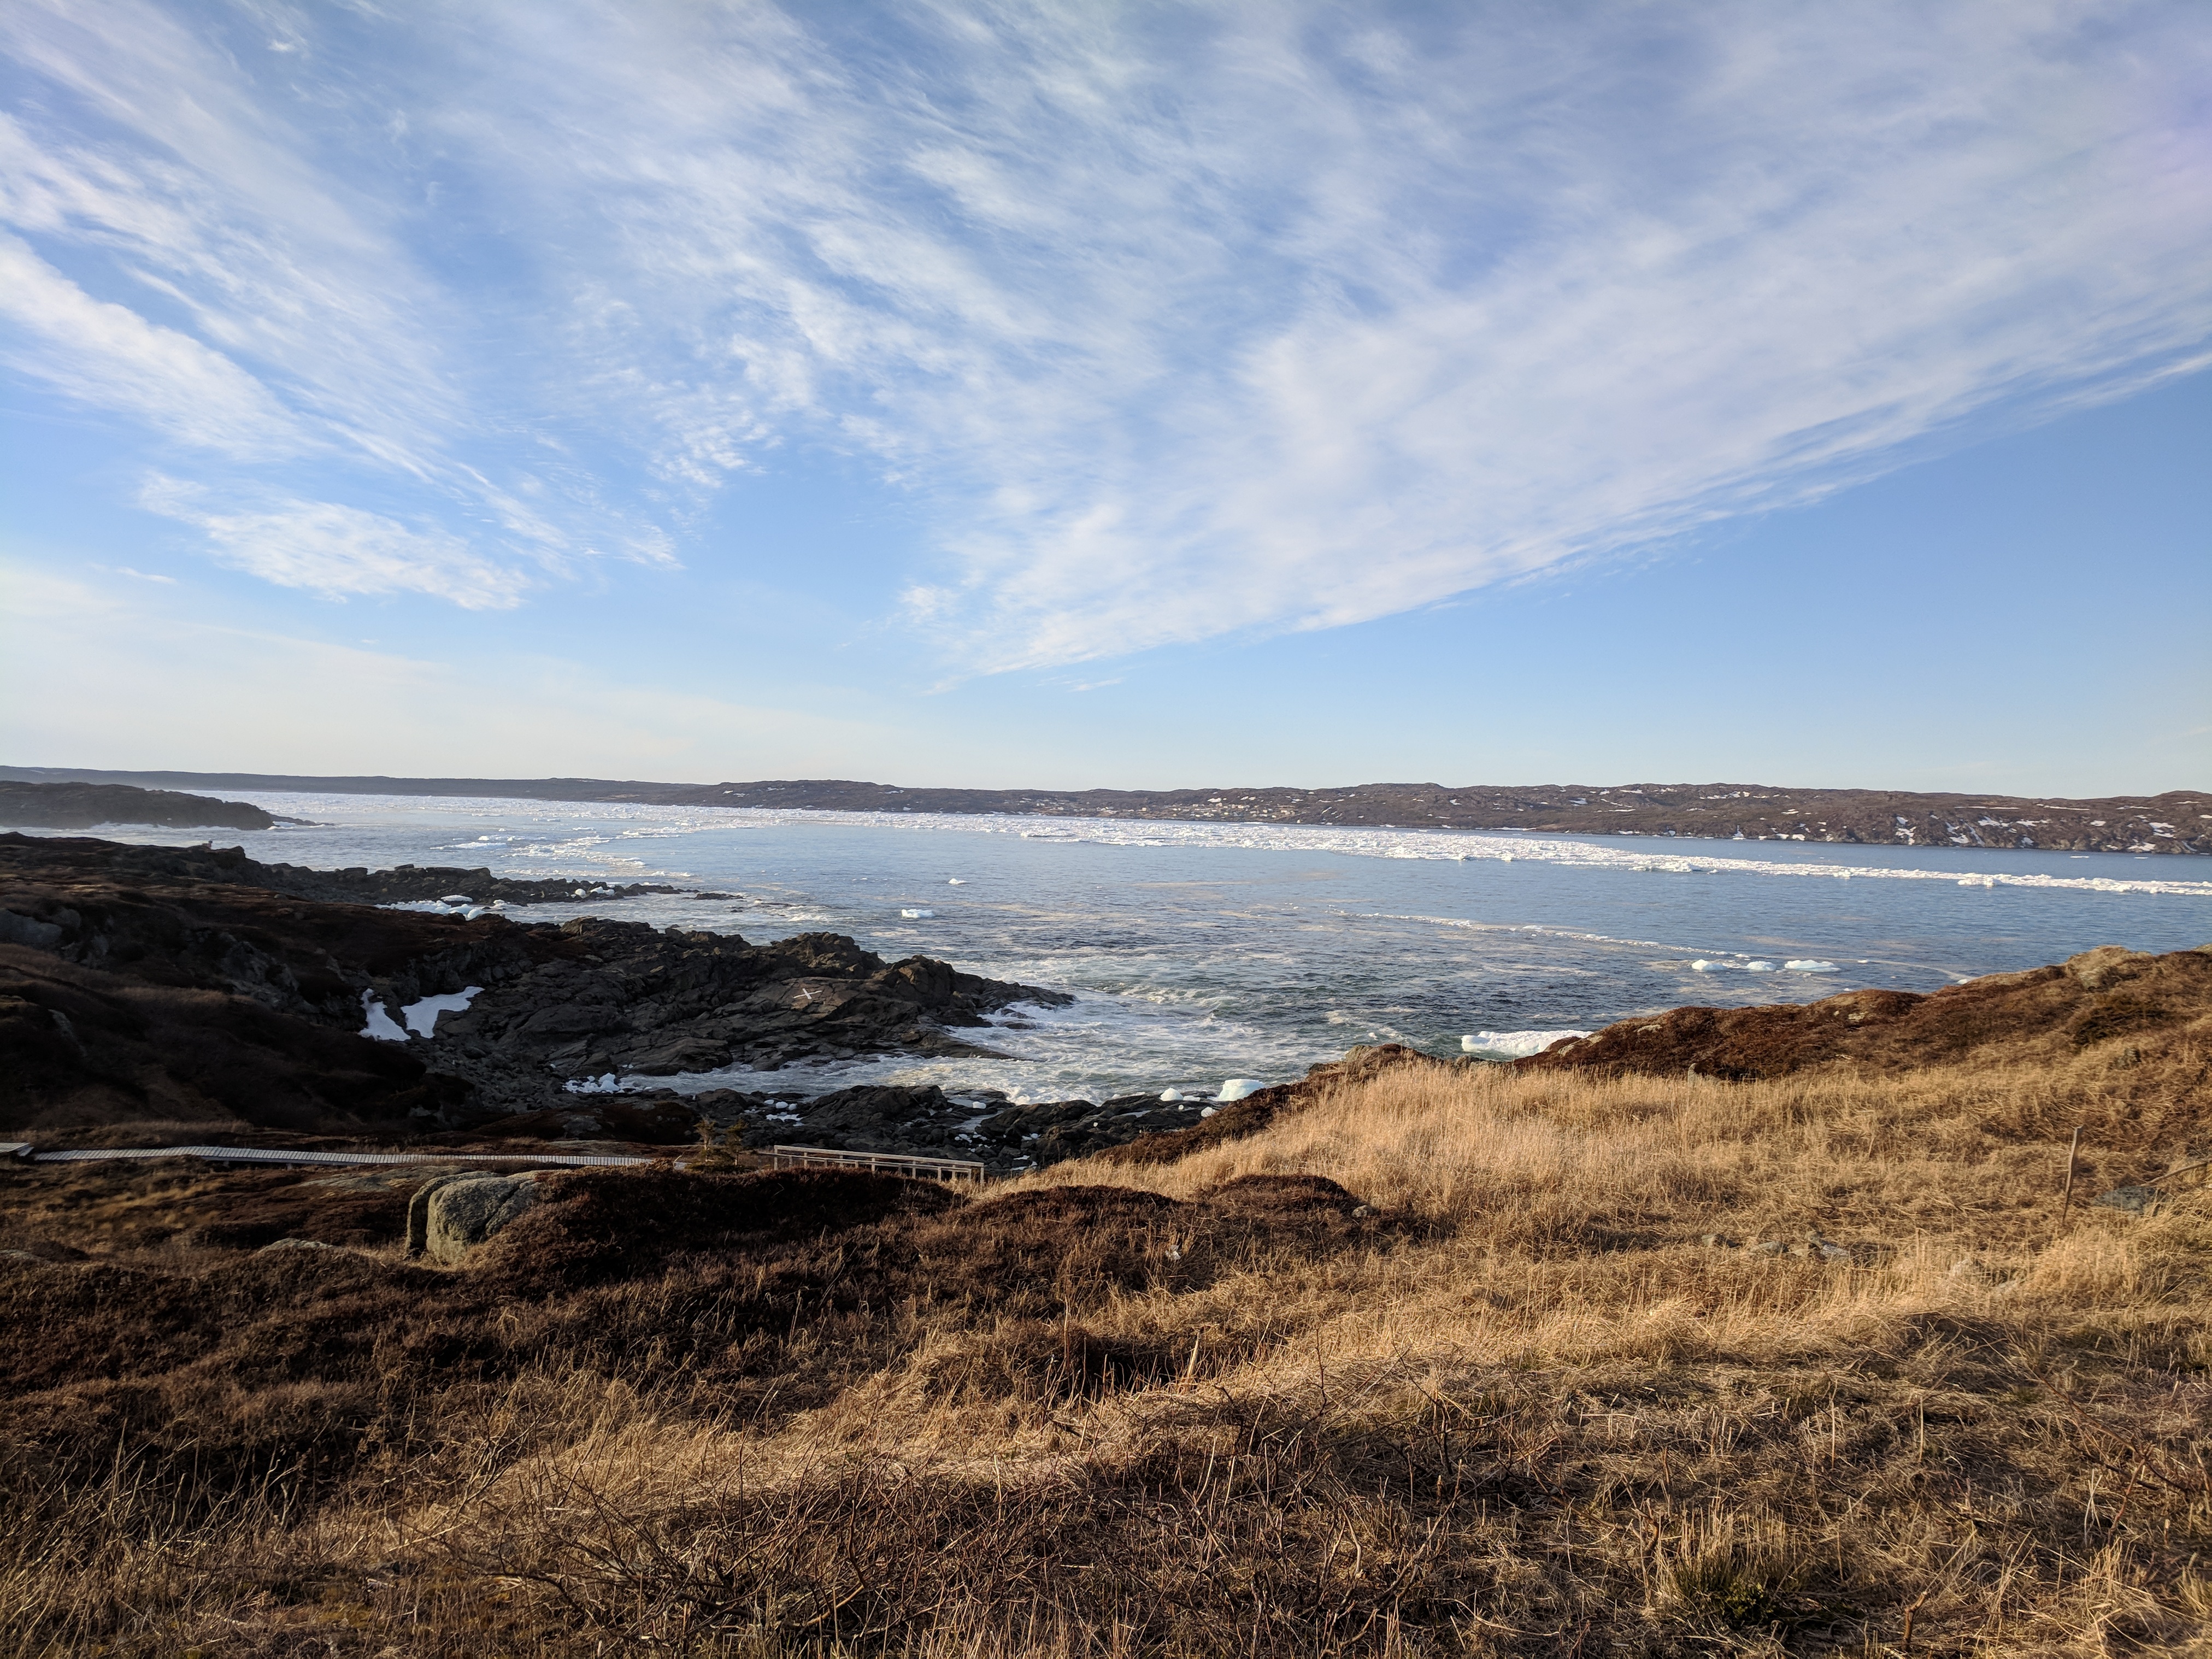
(1810,965)
(1170,1095)
(1237,1087)
(1701,966)
(457,898)
(376,1023)
(1758,966)
(421,1017)
(916,916)
(955,881)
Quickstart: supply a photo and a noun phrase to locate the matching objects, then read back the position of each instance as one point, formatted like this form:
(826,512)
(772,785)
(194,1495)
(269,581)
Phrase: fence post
(2066,1202)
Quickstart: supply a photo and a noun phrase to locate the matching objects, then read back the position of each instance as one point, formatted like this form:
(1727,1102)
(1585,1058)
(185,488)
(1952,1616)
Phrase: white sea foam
(1514,1045)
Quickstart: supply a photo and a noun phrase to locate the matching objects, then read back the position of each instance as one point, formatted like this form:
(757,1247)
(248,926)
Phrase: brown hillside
(1413,1359)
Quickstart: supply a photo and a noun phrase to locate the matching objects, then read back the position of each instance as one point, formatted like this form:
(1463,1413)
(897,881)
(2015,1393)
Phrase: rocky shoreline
(163,991)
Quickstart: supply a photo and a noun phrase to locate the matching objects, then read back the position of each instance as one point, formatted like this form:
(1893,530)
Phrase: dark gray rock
(28,930)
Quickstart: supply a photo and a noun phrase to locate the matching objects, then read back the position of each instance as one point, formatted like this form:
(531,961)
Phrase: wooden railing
(823,1157)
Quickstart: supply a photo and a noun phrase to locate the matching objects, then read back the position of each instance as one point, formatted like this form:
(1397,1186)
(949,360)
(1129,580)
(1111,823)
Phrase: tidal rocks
(408,883)
(622,997)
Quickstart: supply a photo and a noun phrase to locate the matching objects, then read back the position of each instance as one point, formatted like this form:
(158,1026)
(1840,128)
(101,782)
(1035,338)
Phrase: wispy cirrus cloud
(104,355)
(1175,323)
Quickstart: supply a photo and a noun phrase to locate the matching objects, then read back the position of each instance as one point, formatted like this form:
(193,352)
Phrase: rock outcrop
(2095,998)
(407,884)
(82,805)
(141,985)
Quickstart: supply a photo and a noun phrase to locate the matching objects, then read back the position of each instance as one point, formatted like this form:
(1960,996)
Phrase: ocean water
(1201,953)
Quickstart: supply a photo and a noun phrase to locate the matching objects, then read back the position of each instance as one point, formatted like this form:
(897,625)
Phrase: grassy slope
(1196,1405)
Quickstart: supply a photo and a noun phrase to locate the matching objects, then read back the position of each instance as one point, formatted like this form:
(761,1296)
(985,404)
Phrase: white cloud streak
(1177,323)
(336,551)
(110,357)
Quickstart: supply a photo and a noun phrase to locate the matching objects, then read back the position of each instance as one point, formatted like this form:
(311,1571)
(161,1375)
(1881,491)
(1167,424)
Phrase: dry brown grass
(1522,1408)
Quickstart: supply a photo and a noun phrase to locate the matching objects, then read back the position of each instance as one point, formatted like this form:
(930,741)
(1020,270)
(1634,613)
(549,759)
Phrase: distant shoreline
(2179,821)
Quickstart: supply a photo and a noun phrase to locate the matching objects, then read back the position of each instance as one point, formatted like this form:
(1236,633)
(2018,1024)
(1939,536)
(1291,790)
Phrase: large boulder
(452,1214)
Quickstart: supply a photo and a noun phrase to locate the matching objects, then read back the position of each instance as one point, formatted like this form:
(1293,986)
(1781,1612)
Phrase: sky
(1143,396)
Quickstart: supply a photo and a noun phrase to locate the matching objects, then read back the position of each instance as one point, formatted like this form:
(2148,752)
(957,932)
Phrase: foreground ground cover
(1433,1359)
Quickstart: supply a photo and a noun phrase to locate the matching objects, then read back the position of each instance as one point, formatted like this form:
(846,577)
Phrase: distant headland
(2179,821)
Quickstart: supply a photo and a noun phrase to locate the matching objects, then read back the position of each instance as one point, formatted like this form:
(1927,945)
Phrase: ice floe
(1444,846)
(1810,965)
(1237,1087)
(917,915)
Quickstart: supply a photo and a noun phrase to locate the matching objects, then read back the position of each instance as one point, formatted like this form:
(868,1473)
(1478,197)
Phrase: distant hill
(75,805)
(2179,821)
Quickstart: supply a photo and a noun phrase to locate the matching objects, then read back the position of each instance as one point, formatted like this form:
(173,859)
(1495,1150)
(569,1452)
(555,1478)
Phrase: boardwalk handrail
(826,1157)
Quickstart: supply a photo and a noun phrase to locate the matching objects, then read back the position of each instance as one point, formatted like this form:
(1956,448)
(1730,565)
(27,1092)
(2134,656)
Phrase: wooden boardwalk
(822,1157)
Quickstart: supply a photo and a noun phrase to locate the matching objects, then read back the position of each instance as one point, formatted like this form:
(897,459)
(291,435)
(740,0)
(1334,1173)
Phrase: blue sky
(1143,395)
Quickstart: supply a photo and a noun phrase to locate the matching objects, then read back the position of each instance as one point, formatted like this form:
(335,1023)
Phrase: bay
(1198,952)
